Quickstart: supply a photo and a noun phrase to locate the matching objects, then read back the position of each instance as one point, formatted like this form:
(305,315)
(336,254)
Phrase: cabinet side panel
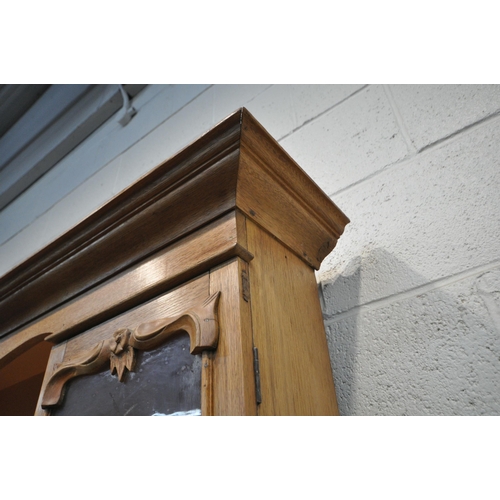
(295,372)
(233,377)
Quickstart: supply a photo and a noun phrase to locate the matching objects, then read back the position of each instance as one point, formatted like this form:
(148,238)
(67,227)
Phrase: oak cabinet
(192,291)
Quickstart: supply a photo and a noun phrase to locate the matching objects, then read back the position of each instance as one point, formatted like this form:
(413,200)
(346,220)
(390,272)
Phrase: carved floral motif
(122,354)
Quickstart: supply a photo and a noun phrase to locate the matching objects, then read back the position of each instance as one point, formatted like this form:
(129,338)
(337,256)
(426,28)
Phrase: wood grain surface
(233,388)
(295,372)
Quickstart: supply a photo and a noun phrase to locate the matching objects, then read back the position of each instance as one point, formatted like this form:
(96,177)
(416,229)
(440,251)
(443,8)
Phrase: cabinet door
(148,361)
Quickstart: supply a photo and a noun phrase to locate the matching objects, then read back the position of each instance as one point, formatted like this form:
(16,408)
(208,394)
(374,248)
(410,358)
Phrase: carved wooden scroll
(200,323)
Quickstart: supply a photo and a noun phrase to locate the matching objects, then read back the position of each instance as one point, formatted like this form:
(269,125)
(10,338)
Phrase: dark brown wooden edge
(130,227)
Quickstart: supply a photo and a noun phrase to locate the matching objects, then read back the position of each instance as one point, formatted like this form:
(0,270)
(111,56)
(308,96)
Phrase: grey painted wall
(411,294)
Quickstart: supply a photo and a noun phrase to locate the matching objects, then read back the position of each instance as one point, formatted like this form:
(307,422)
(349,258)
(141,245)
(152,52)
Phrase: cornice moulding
(236,167)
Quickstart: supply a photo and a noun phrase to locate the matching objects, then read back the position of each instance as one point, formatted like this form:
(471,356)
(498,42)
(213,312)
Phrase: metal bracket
(127,111)
(258,395)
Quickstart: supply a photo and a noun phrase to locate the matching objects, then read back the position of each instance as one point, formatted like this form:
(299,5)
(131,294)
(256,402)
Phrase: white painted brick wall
(431,112)
(350,142)
(436,213)
(430,353)
(411,294)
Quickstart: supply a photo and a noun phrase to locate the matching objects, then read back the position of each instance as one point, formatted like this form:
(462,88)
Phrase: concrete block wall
(411,294)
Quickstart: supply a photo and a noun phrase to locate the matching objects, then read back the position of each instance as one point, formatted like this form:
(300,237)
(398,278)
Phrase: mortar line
(418,290)
(257,95)
(399,119)
(460,131)
(422,152)
(292,106)
(307,122)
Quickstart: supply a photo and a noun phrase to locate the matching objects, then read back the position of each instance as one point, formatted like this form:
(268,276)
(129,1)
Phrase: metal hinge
(258,396)
(245,282)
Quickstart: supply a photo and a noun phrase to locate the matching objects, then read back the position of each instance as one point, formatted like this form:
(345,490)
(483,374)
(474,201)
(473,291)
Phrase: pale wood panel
(295,372)
(233,379)
(207,377)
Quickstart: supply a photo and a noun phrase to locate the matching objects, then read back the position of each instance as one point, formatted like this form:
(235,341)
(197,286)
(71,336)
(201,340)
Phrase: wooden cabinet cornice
(231,213)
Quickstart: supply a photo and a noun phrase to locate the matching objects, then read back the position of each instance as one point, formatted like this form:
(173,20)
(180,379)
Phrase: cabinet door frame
(215,312)
(112,345)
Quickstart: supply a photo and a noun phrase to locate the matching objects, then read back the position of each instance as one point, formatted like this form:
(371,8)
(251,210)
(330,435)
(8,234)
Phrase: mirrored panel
(165,381)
